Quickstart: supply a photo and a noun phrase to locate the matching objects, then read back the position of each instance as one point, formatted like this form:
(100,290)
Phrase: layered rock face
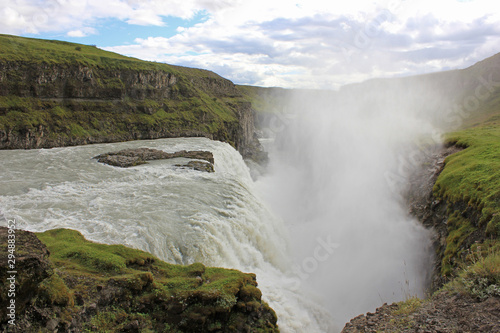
(65,95)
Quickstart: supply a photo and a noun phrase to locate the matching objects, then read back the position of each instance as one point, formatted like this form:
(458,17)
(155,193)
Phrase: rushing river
(180,215)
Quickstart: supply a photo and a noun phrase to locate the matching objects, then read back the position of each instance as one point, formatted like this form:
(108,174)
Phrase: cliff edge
(62,282)
(456,193)
(56,93)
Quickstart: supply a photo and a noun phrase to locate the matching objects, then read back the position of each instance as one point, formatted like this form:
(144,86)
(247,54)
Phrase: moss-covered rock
(86,286)
(23,272)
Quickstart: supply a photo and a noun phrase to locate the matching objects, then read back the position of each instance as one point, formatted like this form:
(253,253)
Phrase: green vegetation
(470,183)
(132,287)
(402,314)
(58,93)
(471,176)
(481,278)
(408,306)
(100,120)
(49,52)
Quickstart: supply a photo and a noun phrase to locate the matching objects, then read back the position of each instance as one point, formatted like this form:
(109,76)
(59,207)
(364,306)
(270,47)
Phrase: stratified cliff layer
(65,283)
(56,93)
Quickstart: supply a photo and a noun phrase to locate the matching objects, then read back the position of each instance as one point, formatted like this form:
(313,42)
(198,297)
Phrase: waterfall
(180,215)
(329,179)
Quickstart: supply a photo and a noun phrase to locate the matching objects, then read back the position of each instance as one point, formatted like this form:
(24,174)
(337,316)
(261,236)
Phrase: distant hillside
(471,94)
(55,93)
(450,99)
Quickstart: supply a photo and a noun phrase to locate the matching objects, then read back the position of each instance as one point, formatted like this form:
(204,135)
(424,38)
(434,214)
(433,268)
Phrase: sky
(283,43)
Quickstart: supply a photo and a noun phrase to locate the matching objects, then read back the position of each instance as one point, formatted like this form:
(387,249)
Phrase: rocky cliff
(64,283)
(57,94)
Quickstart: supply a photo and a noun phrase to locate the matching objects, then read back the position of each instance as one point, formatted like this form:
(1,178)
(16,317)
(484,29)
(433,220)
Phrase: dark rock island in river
(131,157)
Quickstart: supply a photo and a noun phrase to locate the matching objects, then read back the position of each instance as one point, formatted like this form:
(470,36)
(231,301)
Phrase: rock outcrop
(198,166)
(21,281)
(84,286)
(445,313)
(429,210)
(132,157)
(61,94)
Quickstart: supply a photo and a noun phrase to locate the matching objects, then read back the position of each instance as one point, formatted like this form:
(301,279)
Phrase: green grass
(69,249)
(472,175)
(408,306)
(50,52)
(481,278)
(54,52)
(147,288)
(200,102)
(470,183)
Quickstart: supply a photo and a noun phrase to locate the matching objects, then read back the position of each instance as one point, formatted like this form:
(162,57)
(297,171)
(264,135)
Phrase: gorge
(326,228)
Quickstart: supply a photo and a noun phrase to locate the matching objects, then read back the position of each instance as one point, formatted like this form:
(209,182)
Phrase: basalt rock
(132,157)
(30,267)
(198,166)
(429,210)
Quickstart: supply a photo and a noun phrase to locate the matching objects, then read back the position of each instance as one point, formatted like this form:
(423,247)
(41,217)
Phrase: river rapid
(180,215)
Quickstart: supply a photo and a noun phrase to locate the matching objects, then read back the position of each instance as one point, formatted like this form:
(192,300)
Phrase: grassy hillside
(470,182)
(55,93)
(14,48)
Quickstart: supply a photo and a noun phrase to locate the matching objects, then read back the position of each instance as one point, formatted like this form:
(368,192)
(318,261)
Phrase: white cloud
(76,33)
(145,17)
(302,43)
(84,32)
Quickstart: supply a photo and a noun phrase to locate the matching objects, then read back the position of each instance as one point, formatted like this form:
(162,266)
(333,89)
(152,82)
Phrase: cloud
(76,33)
(35,16)
(302,43)
(84,32)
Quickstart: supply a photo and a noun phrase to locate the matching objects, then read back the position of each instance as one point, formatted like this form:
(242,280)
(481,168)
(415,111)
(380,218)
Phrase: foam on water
(180,215)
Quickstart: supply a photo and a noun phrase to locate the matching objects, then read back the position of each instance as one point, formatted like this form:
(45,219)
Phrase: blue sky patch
(115,32)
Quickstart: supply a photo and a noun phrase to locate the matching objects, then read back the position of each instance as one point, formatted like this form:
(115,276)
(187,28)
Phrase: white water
(182,216)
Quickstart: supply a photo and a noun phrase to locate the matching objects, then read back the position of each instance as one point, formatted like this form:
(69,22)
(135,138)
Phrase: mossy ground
(470,183)
(99,119)
(132,288)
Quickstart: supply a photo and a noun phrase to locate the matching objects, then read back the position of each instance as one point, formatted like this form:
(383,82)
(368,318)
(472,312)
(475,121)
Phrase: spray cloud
(353,242)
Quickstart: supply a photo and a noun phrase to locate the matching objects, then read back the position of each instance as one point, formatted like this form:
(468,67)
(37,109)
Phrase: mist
(338,165)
